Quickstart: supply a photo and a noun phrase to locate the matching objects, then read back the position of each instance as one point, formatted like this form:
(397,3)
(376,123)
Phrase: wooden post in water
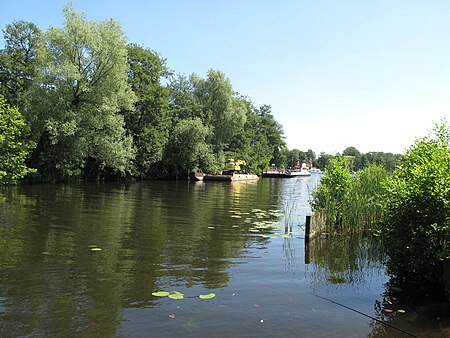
(308,227)
(307,234)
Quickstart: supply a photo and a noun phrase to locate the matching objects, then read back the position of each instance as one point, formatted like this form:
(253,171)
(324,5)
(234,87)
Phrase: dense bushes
(409,209)
(417,212)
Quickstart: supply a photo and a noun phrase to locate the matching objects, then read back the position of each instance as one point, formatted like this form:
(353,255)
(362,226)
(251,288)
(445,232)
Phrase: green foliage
(149,121)
(261,140)
(417,209)
(97,107)
(76,100)
(350,203)
(323,160)
(387,160)
(329,196)
(187,148)
(18,61)
(15,146)
(218,107)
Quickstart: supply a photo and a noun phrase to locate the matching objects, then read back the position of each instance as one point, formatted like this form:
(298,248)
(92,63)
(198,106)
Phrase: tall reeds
(349,203)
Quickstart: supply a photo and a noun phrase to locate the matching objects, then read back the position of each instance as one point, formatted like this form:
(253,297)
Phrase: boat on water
(230,178)
(234,171)
(298,172)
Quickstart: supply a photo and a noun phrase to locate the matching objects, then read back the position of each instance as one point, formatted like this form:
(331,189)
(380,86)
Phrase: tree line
(356,160)
(93,106)
(80,102)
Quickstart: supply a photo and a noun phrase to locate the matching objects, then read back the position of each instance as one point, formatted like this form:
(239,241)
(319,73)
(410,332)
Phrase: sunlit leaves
(160,293)
(208,296)
(416,233)
(76,100)
(14,145)
(176,295)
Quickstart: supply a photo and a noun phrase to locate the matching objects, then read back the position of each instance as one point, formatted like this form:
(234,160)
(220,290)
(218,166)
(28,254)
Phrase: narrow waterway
(83,260)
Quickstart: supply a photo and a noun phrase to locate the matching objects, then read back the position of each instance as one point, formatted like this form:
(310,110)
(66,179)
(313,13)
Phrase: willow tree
(219,108)
(188,149)
(77,99)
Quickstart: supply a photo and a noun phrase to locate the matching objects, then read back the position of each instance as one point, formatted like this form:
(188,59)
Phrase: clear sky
(373,74)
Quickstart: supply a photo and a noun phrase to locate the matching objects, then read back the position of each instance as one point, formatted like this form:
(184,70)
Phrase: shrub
(14,144)
(417,211)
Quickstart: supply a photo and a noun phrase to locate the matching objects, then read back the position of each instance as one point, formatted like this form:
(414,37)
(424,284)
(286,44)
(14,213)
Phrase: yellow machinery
(232,166)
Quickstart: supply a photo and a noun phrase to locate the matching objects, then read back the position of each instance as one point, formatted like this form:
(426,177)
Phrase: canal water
(84,260)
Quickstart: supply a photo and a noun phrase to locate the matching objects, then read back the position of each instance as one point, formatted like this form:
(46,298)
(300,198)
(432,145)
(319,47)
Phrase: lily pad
(160,293)
(208,296)
(176,295)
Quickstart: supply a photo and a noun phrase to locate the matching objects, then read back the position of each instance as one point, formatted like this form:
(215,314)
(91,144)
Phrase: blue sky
(372,74)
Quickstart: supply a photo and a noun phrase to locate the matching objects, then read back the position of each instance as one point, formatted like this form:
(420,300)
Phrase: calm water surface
(192,238)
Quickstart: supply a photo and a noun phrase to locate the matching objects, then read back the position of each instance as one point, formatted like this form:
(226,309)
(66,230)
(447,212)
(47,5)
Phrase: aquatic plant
(349,203)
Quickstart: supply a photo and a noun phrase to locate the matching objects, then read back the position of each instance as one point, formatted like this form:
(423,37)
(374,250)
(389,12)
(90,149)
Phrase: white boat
(303,171)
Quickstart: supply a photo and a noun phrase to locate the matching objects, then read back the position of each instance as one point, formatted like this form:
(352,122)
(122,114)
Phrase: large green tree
(220,109)
(76,102)
(261,140)
(15,145)
(149,121)
(18,61)
(188,149)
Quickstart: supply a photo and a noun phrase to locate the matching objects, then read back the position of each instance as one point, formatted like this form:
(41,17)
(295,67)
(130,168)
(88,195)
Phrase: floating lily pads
(176,295)
(208,296)
(160,293)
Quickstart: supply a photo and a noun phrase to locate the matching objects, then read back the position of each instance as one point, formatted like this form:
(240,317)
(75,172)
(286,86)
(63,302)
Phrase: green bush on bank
(409,209)
(417,212)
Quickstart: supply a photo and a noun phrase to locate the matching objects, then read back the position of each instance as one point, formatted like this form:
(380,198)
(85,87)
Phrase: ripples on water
(193,238)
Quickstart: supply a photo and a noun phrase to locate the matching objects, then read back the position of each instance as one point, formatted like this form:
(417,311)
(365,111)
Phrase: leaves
(208,296)
(176,295)
(417,211)
(160,293)
(14,146)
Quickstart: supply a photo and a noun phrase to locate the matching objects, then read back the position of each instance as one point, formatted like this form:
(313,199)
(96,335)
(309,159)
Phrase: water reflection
(194,238)
(344,260)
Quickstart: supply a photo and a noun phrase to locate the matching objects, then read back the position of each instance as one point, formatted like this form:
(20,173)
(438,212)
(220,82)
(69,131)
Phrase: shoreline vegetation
(408,208)
(80,102)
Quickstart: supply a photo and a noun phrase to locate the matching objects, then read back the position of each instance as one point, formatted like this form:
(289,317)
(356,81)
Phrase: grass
(350,203)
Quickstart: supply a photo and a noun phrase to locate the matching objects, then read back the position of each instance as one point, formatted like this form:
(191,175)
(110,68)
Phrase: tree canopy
(99,107)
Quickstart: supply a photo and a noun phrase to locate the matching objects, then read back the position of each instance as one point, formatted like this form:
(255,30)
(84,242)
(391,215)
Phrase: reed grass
(350,203)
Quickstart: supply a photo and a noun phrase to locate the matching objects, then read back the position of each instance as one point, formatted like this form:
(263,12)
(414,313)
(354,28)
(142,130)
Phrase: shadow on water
(194,238)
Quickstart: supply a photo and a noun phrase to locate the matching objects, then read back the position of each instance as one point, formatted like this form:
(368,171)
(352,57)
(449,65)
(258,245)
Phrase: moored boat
(233,172)
(230,178)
